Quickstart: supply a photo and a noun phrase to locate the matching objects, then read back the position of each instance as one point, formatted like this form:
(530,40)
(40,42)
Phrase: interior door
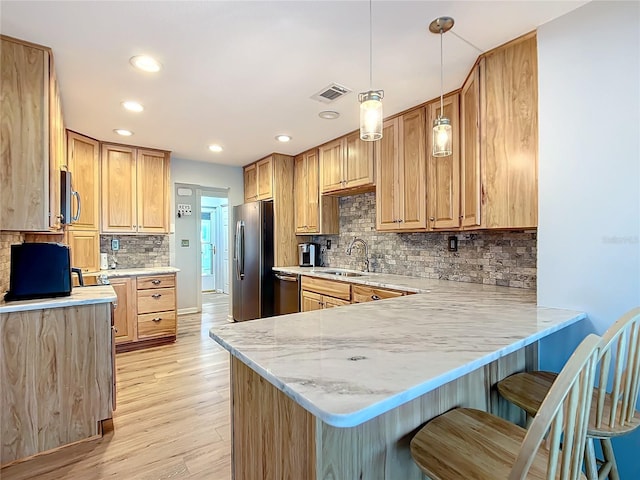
(224,248)
(208,250)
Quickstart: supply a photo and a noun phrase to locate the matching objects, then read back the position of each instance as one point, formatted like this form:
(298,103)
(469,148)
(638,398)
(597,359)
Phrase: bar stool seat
(465,443)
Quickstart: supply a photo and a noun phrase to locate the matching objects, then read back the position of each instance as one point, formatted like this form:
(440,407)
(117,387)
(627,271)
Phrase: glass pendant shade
(442,137)
(371,115)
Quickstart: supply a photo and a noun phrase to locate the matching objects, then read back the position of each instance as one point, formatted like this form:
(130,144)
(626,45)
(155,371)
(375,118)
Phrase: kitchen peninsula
(56,371)
(338,394)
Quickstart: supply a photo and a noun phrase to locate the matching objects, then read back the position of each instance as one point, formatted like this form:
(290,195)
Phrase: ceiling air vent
(331,93)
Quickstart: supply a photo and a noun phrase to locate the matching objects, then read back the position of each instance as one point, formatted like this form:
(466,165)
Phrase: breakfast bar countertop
(79,296)
(350,364)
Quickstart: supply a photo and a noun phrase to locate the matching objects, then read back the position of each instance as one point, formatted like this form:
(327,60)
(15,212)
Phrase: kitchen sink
(343,273)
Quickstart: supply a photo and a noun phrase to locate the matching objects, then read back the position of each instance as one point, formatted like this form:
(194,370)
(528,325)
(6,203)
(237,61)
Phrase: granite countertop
(350,364)
(79,296)
(414,284)
(133,272)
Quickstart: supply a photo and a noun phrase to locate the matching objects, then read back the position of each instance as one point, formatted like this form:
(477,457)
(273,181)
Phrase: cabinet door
(118,169)
(57,152)
(387,212)
(152,191)
(358,161)
(310,301)
(412,171)
(300,193)
(24,148)
(443,173)
(509,126)
(470,150)
(124,315)
(83,155)
(85,249)
(265,179)
(330,302)
(313,192)
(250,183)
(331,175)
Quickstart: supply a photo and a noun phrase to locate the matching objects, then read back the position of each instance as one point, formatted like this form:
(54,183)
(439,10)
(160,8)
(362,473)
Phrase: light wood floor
(172,417)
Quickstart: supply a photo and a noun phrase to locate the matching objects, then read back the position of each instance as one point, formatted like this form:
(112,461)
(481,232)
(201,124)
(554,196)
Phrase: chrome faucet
(366,249)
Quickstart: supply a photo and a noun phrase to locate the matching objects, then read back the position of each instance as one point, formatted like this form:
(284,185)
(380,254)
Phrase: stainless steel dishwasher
(287,293)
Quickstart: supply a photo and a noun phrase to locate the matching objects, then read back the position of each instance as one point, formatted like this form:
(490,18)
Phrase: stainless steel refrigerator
(253,261)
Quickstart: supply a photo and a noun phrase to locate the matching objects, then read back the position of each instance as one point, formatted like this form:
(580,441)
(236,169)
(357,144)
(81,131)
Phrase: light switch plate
(115,244)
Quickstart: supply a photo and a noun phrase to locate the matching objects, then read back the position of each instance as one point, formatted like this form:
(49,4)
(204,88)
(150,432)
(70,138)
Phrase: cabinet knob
(156,295)
(320,303)
(400,221)
(432,219)
(155,282)
(461,216)
(157,319)
(375,297)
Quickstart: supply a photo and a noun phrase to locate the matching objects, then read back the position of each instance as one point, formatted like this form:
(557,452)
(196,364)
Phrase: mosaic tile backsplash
(138,251)
(506,258)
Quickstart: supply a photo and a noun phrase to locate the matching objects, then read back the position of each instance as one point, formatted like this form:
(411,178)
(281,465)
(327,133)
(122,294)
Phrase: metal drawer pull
(375,297)
(155,282)
(157,319)
(156,295)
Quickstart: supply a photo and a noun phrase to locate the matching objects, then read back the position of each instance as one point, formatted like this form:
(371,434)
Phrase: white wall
(589,177)
(206,175)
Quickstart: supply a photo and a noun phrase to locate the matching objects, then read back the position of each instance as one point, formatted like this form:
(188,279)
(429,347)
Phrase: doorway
(214,244)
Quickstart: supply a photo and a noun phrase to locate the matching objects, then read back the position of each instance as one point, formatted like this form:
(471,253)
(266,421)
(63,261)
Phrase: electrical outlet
(452,243)
(115,244)
(328,244)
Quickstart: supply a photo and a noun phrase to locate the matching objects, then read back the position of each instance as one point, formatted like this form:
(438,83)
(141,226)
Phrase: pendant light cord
(370,47)
(441,78)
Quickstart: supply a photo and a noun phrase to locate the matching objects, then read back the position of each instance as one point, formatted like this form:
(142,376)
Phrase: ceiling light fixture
(123,132)
(146,63)
(215,148)
(283,138)
(132,106)
(329,114)
(441,125)
(371,101)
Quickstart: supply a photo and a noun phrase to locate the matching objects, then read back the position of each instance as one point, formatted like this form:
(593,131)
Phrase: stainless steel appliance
(309,254)
(287,293)
(253,261)
(66,199)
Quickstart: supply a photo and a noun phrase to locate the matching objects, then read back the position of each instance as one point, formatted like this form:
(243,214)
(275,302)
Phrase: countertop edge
(79,296)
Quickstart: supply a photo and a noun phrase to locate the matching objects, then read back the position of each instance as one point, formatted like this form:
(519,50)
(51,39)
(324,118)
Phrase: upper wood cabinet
(313,213)
(83,161)
(135,190)
(401,201)
(509,135)
(347,165)
(443,173)
(258,180)
(85,249)
(470,150)
(32,146)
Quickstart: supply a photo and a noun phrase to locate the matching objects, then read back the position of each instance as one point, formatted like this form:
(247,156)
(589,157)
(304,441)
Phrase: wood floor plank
(172,420)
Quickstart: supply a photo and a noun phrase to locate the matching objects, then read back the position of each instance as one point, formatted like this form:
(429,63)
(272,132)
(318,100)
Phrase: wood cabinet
(124,314)
(135,190)
(347,165)
(313,213)
(366,293)
(401,200)
(83,161)
(470,150)
(146,314)
(509,135)
(443,173)
(318,293)
(85,249)
(32,142)
(258,180)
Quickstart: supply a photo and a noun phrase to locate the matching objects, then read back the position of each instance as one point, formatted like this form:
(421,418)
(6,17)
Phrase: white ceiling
(238,73)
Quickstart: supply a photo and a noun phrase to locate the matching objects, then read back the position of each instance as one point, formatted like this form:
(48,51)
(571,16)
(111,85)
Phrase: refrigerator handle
(238,250)
(241,250)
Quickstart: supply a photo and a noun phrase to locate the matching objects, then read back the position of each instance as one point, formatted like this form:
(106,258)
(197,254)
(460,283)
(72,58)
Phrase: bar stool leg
(609,458)
(590,464)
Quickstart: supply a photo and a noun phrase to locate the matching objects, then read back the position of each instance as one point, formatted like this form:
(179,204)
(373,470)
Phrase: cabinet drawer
(156,281)
(362,293)
(327,287)
(160,324)
(156,300)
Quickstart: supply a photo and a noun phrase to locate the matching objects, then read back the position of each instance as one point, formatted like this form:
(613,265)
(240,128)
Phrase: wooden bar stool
(470,444)
(613,413)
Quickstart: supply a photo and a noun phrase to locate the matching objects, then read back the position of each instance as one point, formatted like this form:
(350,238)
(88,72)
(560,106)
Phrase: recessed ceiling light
(283,138)
(132,106)
(146,63)
(329,114)
(215,148)
(123,132)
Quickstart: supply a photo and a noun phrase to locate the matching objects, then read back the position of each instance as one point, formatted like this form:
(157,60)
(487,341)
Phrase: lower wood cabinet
(146,312)
(85,249)
(365,293)
(318,293)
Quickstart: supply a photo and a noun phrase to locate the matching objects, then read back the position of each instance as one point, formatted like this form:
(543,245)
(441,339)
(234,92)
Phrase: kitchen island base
(274,437)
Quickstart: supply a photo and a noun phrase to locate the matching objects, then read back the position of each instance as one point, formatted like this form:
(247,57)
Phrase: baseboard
(188,311)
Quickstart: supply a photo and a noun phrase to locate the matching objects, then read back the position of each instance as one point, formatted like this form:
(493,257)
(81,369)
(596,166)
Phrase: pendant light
(442,125)
(371,101)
